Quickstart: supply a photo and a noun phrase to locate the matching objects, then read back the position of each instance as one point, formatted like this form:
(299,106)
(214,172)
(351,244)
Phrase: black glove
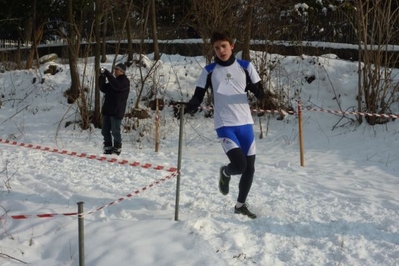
(192,106)
(256,89)
(104,72)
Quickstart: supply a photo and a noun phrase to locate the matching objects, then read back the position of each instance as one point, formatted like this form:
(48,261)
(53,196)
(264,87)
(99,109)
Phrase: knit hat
(121,67)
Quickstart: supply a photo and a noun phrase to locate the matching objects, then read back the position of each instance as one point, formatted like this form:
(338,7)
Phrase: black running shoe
(116,151)
(107,150)
(244,211)
(224,181)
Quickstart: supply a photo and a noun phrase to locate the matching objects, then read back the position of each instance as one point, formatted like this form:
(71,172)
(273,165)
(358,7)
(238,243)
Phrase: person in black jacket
(116,92)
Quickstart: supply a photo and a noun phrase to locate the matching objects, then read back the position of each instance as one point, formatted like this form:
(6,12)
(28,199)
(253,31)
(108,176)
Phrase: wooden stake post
(157,126)
(300,134)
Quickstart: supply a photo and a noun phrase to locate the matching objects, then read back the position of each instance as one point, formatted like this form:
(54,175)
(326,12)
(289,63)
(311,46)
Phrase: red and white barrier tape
(322,110)
(51,215)
(351,113)
(133,193)
(254,110)
(89,156)
(44,215)
(315,110)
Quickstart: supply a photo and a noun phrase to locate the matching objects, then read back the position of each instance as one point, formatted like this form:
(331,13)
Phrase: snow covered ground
(340,208)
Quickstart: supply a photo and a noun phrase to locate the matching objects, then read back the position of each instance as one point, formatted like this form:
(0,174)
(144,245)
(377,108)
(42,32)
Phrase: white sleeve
(253,74)
(201,82)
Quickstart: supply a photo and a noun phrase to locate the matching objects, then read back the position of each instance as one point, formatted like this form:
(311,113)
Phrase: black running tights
(244,166)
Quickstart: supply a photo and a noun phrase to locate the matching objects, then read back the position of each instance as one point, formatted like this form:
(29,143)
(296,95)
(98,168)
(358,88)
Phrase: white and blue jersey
(231,108)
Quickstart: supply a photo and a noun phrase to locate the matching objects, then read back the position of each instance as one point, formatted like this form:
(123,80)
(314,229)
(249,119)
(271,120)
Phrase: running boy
(230,79)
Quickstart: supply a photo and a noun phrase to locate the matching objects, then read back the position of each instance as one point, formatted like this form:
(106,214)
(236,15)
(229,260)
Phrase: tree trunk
(129,42)
(73,44)
(37,36)
(97,21)
(144,18)
(360,71)
(248,30)
(154,30)
(27,31)
(33,36)
(104,40)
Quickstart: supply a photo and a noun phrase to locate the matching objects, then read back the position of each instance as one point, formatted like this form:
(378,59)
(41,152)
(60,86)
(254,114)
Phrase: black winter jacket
(116,93)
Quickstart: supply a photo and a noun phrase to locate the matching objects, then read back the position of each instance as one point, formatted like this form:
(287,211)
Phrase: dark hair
(221,36)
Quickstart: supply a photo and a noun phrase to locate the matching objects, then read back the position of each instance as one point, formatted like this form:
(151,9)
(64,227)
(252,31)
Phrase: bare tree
(122,10)
(222,15)
(376,23)
(104,29)
(76,93)
(36,34)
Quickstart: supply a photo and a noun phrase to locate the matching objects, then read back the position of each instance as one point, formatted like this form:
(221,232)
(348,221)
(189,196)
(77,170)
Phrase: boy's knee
(237,168)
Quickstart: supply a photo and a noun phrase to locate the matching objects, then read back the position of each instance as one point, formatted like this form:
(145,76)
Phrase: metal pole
(81,234)
(179,161)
